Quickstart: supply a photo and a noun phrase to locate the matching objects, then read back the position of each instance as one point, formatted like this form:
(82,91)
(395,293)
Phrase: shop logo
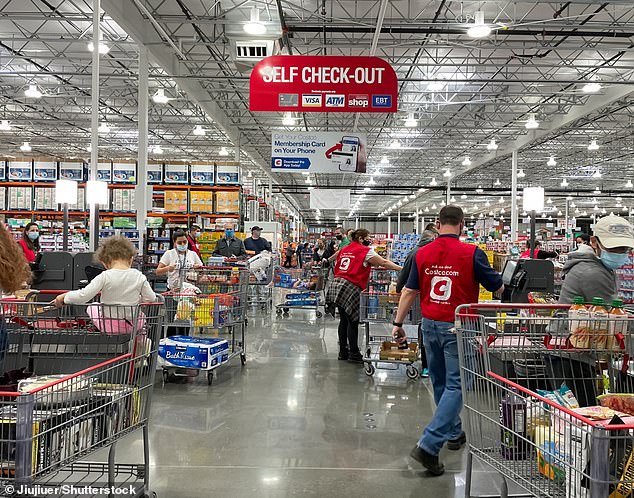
(335,101)
(382,101)
(358,101)
(440,288)
(277,162)
(311,100)
(288,100)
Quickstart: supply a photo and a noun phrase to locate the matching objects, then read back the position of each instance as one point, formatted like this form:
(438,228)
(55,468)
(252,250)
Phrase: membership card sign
(299,83)
(319,152)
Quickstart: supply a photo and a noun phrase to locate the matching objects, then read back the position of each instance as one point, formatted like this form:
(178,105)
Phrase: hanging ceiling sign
(299,83)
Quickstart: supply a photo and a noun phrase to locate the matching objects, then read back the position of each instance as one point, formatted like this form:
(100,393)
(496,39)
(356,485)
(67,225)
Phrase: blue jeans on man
(441,347)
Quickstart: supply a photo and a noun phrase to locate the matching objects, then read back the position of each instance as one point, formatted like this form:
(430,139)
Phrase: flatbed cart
(56,417)
(198,316)
(543,405)
(305,289)
(381,352)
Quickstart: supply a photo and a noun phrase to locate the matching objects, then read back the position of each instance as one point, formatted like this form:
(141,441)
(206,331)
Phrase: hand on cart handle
(58,302)
(399,335)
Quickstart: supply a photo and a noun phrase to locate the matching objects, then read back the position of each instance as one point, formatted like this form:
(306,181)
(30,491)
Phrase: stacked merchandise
(157,242)
(485,295)
(625,279)
(402,246)
(123,200)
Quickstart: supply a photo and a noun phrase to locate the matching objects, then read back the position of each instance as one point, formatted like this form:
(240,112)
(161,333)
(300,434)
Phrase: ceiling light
(569,198)
(405,198)
(564,183)
(592,87)
(551,161)
(288,119)
(103,47)
(249,174)
(479,29)
(475,207)
(385,160)
(103,128)
(596,174)
(463,196)
(521,174)
(479,189)
(427,210)
(531,122)
(447,173)
(492,145)
(159,97)
(434,207)
(596,208)
(366,189)
(5,126)
(199,131)
(412,196)
(395,144)
(223,151)
(624,208)
(501,200)
(371,182)
(452,200)
(254,26)
(629,184)
(157,149)
(399,203)
(466,161)
(549,201)
(89,148)
(25,147)
(497,182)
(410,122)
(32,92)
(603,211)
(491,213)
(593,145)
(433,182)
(435,86)
(502,211)
(597,191)
(577,211)
(487,204)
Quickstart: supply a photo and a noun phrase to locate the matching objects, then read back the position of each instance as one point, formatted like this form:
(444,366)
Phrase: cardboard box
(104,171)
(176,201)
(202,173)
(3,170)
(72,170)
(389,351)
(193,352)
(228,174)
(20,170)
(124,171)
(227,202)
(176,173)
(45,198)
(44,171)
(154,172)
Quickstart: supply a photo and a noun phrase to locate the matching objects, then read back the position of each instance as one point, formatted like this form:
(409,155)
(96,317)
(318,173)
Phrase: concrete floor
(296,422)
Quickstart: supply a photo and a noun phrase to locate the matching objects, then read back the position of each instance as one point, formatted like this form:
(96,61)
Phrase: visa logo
(381,101)
(335,101)
(311,100)
(358,101)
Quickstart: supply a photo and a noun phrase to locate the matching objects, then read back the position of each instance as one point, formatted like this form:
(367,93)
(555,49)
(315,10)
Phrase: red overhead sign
(315,83)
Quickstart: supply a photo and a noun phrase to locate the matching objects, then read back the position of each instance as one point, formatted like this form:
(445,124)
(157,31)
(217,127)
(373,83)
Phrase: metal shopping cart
(260,281)
(538,385)
(304,289)
(382,352)
(53,415)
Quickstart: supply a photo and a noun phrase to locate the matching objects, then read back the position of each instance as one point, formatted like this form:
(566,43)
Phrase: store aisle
(294,422)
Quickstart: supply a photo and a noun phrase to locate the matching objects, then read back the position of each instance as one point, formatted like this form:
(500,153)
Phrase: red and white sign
(303,83)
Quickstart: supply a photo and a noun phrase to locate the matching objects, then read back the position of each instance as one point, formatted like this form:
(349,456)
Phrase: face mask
(196,235)
(366,242)
(229,233)
(181,247)
(33,235)
(613,260)
(256,234)
(339,237)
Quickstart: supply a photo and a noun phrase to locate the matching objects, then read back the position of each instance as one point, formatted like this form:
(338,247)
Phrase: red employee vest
(28,253)
(446,278)
(350,264)
(527,254)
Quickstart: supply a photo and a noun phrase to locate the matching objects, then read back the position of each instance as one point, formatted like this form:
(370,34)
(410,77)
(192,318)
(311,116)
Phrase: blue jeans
(441,347)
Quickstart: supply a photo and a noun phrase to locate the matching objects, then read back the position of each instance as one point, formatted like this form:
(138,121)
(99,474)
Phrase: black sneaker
(355,358)
(427,460)
(343,355)
(456,444)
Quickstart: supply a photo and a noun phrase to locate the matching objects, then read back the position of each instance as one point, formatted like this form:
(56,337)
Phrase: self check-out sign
(297,83)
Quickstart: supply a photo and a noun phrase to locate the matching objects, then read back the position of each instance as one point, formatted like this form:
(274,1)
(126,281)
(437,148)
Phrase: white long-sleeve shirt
(127,287)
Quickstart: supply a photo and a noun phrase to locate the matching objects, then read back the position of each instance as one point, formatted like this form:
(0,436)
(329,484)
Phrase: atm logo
(311,100)
(358,101)
(335,101)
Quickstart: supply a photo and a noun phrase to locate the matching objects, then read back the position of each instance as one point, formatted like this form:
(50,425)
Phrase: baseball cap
(256,228)
(614,231)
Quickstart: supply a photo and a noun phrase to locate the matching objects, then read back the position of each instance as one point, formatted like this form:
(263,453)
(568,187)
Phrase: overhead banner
(330,199)
(316,83)
(319,152)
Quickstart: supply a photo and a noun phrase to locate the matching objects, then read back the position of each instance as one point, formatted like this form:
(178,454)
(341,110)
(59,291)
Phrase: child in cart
(119,285)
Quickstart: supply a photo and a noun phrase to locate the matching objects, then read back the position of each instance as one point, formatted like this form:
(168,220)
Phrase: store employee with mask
(590,274)
(230,246)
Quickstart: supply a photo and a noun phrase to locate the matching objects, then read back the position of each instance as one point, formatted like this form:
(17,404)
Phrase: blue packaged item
(193,352)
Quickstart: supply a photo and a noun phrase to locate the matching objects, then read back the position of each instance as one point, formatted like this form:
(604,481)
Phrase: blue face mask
(229,233)
(33,235)
(181,247)
(613,260)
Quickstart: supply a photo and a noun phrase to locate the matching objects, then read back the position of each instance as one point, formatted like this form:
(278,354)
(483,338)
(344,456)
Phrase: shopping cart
(260,281)
(538,384)
(54,414)
(199,318)
(305,289)
(382,352)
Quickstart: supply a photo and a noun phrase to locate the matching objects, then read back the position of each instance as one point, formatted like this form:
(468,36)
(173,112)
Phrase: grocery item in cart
(513,426)
(67,390)
(393,351)
(579,316)
(618,325)
(622,402)
(193,352)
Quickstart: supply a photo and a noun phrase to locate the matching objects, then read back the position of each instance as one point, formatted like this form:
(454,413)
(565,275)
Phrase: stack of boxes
(45,199)
(123,200)
(20,198)
(403,244)
(485,295)
(227,202)
(176,201)
(201,201)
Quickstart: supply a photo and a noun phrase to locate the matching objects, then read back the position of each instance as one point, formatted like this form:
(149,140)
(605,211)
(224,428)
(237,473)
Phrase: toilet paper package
(193,352)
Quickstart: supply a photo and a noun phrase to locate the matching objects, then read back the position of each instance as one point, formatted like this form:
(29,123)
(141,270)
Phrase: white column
(416,221)
(389,227)
(567,218)
(514,221)
(356,223)
(94,123)
(448,191)
(398,223)
(142,196)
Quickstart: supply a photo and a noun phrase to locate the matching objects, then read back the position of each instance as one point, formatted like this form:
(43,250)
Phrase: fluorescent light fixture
(479,189)
(89,148)
(395,144)
(533,198)
(487,204)
(103,129)
(411,122)
(549,201)
(159,97)
(32,92)
(593,145)
(497,182)
(96,192)
(564,183)
(466,161)
(223,151)
(199,131)
(385,160)
(592,87)
(521,174)
(629,184)
(603,211)
(479,29)
(434,206)
(447,173)
(463,196)
(452,200)
(65,192)
(501,200)
(5,126)
(597,191)
(531,122)
(433,182)
(502,211)
(157,149)
(249,174)
(596,174)
(288,119)
(399,203)
(569,198)
(25,147)
(371,182)
(551,161)
(492,145)
(559,213)
(367,189)
(254,26)
(103,47)
(427,210)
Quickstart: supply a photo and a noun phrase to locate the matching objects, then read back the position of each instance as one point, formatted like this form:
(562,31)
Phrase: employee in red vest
(192,239)
(447,274)
(352,272)
(539,254)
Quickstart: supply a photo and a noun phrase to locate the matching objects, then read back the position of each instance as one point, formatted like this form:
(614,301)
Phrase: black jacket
(229,247)
(407,266)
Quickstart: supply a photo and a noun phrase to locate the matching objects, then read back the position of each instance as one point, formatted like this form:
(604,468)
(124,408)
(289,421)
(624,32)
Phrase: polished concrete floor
(295,422)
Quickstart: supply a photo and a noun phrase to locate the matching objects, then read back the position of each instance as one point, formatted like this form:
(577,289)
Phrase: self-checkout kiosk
(527,275)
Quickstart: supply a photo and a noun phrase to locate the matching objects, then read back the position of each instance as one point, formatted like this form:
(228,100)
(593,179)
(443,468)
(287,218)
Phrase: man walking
(446,273)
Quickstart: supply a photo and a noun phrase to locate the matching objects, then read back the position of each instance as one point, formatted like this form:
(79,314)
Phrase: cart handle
(493,306)
(567,411)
